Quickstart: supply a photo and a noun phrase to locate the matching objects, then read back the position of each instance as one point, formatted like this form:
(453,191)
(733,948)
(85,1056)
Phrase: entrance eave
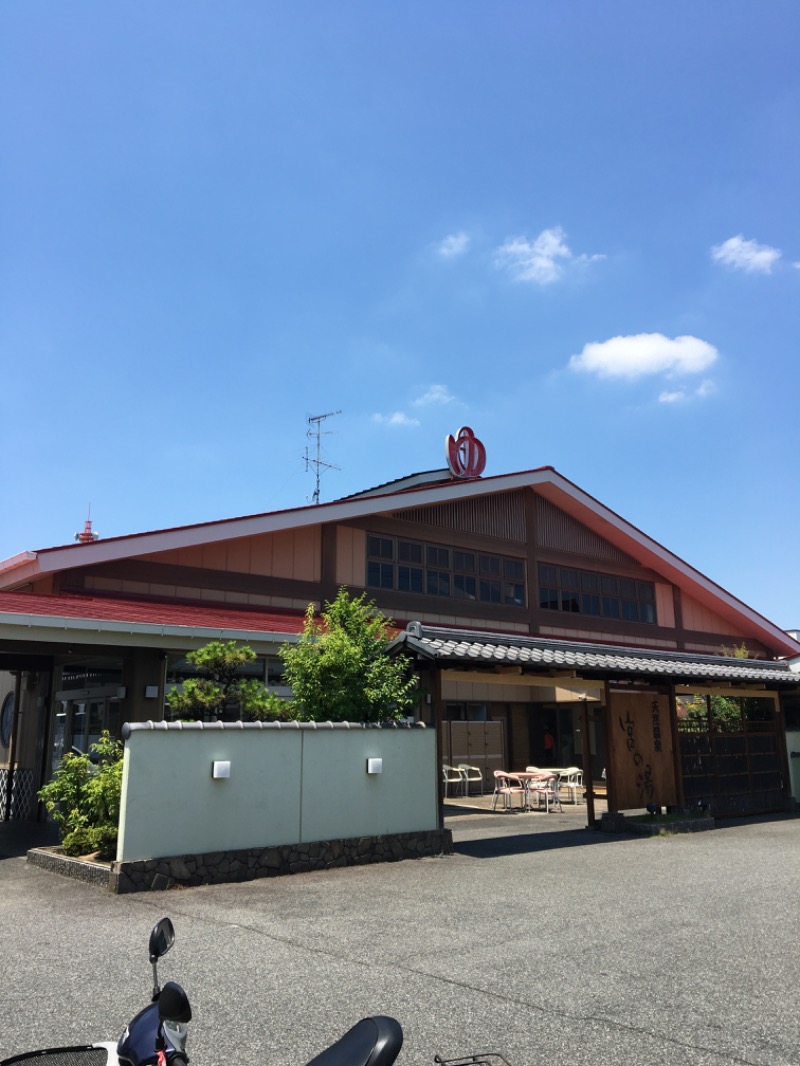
(60,631)
(489,652)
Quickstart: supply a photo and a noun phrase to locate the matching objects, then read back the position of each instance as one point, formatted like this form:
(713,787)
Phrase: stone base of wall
(618,823)
(54,860)
(249,864)
(252,863)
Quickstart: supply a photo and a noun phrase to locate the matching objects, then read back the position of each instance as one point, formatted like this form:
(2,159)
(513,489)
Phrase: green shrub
(84,799)
(221,693)
(339,670)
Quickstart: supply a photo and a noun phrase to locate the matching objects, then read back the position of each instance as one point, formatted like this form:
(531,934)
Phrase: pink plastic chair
(506,786)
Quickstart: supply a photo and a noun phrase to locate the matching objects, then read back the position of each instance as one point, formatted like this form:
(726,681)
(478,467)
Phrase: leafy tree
(339,670)
(739,651)
(222,692)
(84,799)
(726,713)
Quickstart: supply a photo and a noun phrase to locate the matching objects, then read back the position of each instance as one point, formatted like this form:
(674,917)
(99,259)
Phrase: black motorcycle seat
(371,1042)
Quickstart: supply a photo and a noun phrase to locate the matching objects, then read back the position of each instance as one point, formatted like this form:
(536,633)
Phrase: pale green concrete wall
(287,785)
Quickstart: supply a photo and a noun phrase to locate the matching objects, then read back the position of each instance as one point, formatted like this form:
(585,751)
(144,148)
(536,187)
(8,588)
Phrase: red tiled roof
(150,612)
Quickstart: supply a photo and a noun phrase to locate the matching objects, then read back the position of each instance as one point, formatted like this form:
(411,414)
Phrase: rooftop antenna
(87,536)
(315,430)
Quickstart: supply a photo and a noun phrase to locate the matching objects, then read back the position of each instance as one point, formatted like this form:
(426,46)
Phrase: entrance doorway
(87,701)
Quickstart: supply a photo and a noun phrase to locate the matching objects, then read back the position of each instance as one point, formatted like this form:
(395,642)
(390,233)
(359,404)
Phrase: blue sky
(572,227)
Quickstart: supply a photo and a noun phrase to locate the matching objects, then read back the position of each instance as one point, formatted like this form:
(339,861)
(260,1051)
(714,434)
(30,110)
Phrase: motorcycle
(157,1035)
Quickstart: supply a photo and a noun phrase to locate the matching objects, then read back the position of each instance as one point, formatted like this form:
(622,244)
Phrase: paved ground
(540,938)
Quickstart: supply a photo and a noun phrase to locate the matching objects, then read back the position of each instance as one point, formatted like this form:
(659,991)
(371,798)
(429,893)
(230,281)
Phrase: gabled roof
(466,647)
(545,480)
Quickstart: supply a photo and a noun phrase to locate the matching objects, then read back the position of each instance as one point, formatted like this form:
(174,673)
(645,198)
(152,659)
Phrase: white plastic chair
(572,781)
(452,776)
(471,773)
(548,791)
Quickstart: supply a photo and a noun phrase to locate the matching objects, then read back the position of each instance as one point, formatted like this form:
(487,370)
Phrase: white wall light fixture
(220,770)
(151,692)
(374,766)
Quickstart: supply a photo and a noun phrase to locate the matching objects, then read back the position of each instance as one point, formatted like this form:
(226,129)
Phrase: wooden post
(676,746)
(611,784)
(588,774)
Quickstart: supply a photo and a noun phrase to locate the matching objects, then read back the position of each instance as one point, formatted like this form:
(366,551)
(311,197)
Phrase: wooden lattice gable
(560,531)
(501,514)
(505,515)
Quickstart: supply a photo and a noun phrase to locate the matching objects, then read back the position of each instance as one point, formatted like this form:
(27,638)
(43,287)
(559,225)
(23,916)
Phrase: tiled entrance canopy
(469,647)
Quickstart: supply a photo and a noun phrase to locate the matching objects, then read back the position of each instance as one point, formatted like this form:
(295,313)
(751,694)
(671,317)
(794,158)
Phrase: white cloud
(704,389)
(645,353)
(453,245)
(398,418)
(541,261)
(677,396)
(436,394)
(750,256)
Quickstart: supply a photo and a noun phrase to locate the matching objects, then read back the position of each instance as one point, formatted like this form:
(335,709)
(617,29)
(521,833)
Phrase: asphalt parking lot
(559,945)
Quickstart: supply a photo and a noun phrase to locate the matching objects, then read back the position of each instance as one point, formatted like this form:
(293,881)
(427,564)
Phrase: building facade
(519,598)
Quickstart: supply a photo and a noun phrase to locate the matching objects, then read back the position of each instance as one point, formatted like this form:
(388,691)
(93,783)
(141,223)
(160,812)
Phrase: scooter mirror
(161,939)
(173,1004)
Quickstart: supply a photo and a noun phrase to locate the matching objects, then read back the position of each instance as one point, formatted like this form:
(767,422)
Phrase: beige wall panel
(261,554)
(476,692)
(161,557)
(665,606)
(700,618)
(190,556)
(350,556)
(239,552)
(283,554)
(600,638)
(307,554)
(215,556)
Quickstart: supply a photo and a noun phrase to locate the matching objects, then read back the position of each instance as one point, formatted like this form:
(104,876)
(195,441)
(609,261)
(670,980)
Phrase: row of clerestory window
(563,588)
(436,570)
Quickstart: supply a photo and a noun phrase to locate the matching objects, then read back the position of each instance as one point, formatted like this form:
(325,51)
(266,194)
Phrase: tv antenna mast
(315,431)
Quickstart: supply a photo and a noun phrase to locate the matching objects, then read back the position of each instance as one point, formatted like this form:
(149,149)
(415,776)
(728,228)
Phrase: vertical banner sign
(641,750)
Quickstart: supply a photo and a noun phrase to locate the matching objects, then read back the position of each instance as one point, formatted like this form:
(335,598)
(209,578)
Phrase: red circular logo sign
(466,455)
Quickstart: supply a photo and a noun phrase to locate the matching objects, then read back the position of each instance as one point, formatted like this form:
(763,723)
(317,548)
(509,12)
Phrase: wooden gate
(731,756)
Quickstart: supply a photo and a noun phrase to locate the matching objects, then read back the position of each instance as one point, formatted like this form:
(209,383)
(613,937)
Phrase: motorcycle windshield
(176,1034)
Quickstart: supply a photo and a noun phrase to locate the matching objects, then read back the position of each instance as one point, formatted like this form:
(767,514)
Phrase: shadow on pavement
(525,843)
(17,838)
